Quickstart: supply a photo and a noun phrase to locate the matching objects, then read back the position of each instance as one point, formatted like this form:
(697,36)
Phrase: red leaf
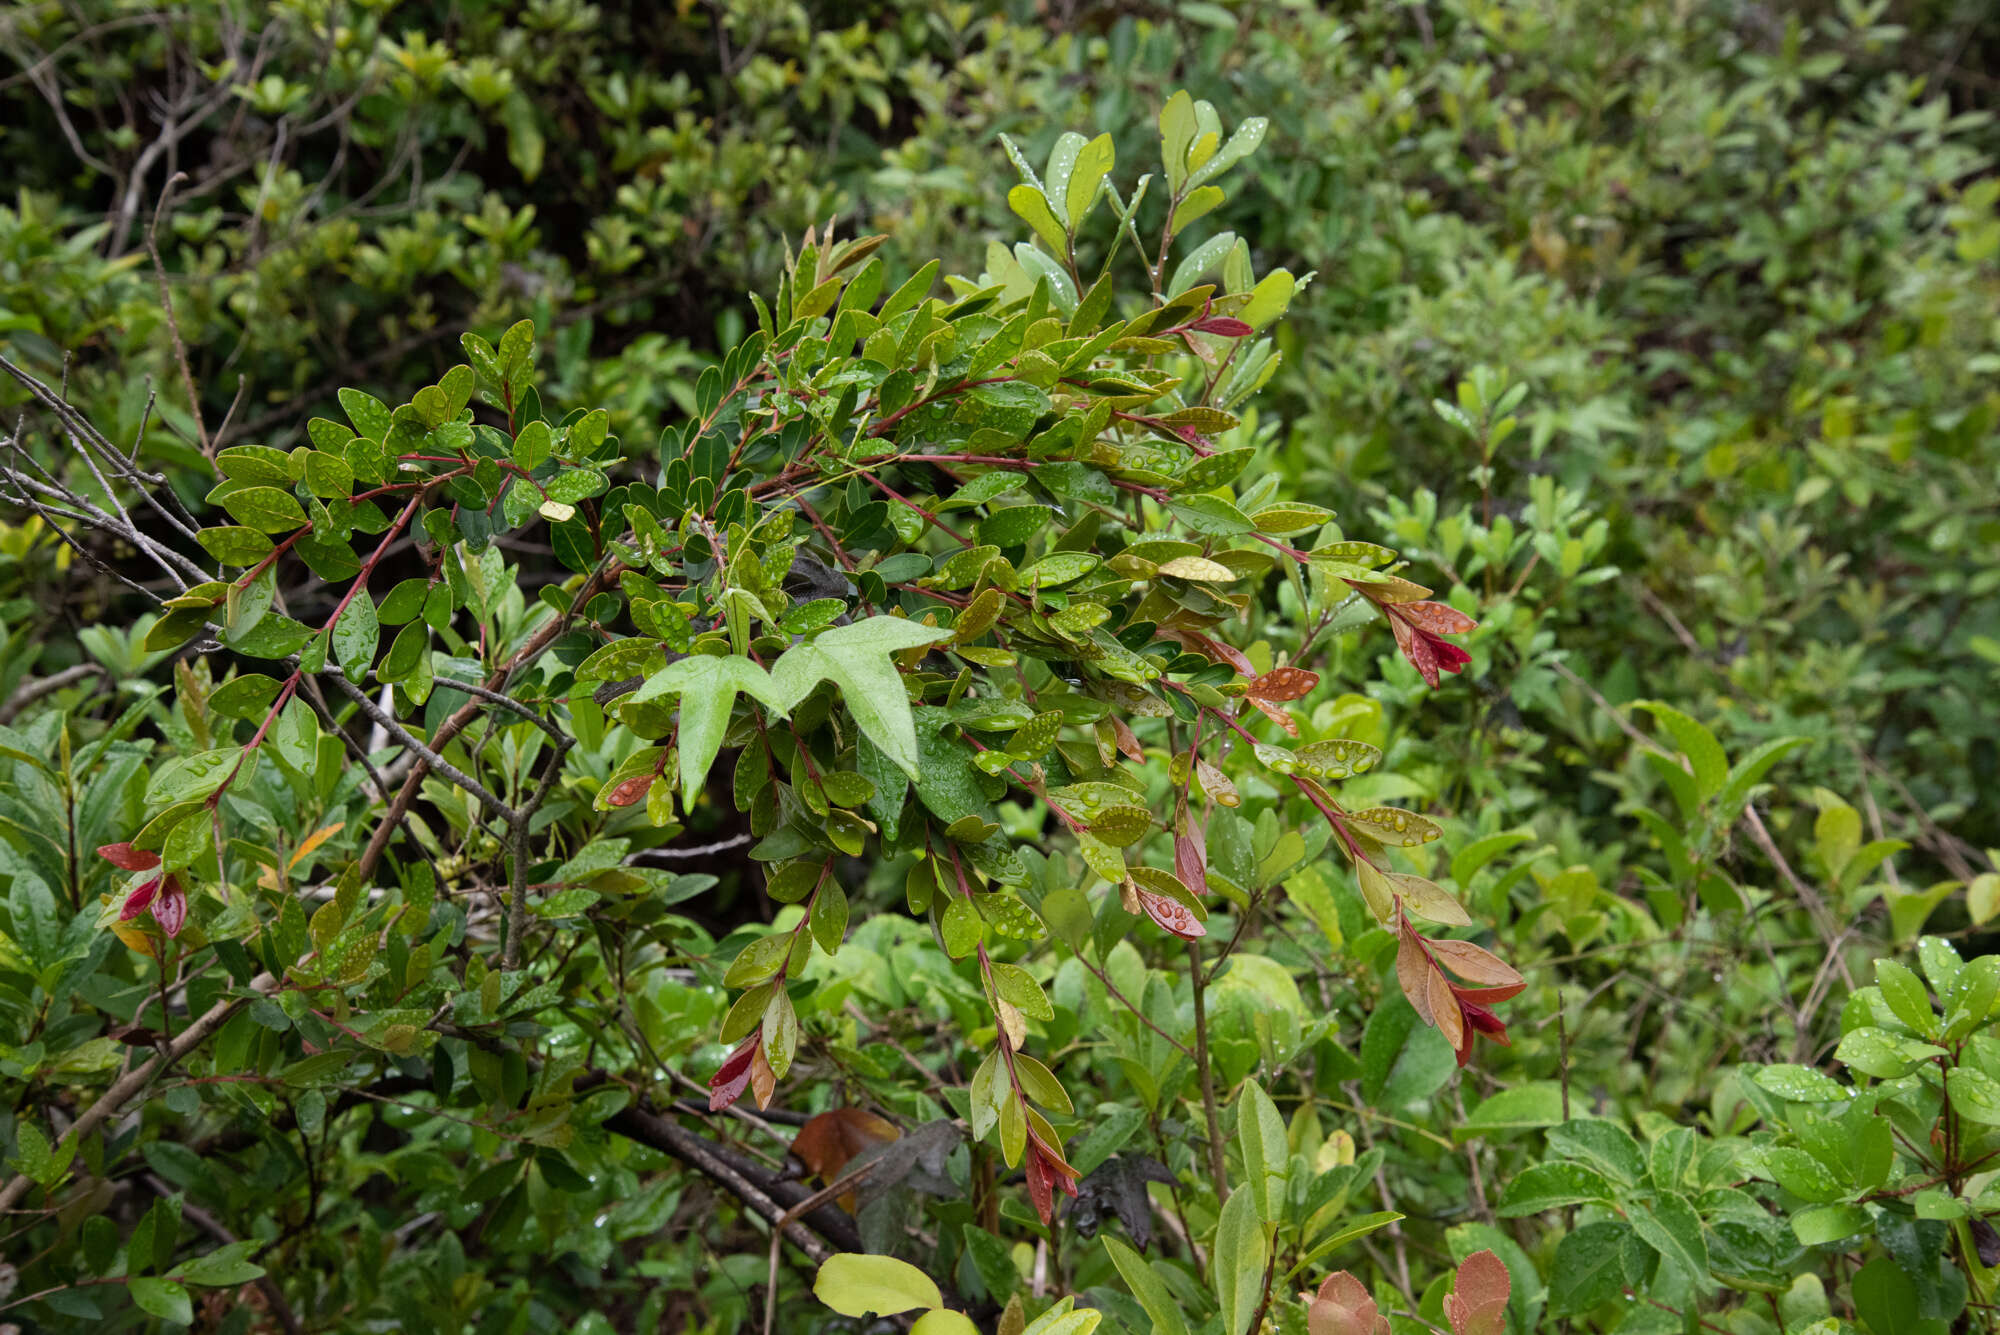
(128,857)
(763,1080)
(1214,650)
(1226,326)
(171,908)
(1128,741)
(1477,1304)
(733,1076)
(1171,915)
(1275,714)
(1283,683)
(1428,654)
(1476,965)
(1343,1306)
(139,900)
(1047,1174)
(1191,857)
(1437,618)
(1040,1187)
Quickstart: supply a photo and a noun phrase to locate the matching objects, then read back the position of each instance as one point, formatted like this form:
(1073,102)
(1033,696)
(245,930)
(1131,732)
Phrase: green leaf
(1260,1137)
(185,778)
(255,463)
(1063,1319)
(1014,525)
(1589,1269)
(1114,1125)
(1033,208)
(944,1321)
(1198,203)
(1605,1146)
(1161,1307)
(1886,1298)
(1402,1058)
(1177,131)
(1698,744)
(1822,1224)
(1673,1229)
(1746,773)
(708,688)
(856,1285)
(758,961)
(369,414)
(235,544)
(1882,1054)
(1201,261)
(1804,1176)
(225,1266)
(1801,1084)
(1093,163)
(1358,1227)
(327,475)
(355,636)
(961,927)
(1063,158)
(1907,997)
(265,509)
(533,444)
(163,1298)
(1517,1109)
(1238,1262)
(1241,144)
(1550,1186)
(1975,1095)
(856,658)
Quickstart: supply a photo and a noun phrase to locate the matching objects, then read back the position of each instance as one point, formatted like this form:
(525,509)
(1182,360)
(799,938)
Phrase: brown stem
(463,716)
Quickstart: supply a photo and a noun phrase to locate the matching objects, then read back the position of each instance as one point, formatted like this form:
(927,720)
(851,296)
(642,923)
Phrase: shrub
(1656,341)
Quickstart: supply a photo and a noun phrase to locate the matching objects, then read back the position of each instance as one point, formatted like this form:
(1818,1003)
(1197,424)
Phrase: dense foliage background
(1661,338)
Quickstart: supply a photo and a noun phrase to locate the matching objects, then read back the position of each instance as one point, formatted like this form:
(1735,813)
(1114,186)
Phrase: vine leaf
(857,658)
(708,688)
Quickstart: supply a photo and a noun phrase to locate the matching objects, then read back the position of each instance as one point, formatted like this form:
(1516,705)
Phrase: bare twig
(167,305)
(30,691)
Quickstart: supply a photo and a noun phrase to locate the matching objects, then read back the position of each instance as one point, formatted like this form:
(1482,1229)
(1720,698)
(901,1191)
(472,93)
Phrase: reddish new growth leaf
(1172,915)
(1214,650)
(1477,1304)
(164,895)
(1190,850)
(1047,1173)
(1343,1306)
(763,1080)
(1224,325)
(1128,741)
(1283,683)
(1275,714)
(1280,684)
(733,1076)
(1458,1010)
(1420,628)
(128,858)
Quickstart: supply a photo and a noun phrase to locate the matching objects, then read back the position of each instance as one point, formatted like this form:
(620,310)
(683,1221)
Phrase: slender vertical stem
(1217,1169)
(517,894)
